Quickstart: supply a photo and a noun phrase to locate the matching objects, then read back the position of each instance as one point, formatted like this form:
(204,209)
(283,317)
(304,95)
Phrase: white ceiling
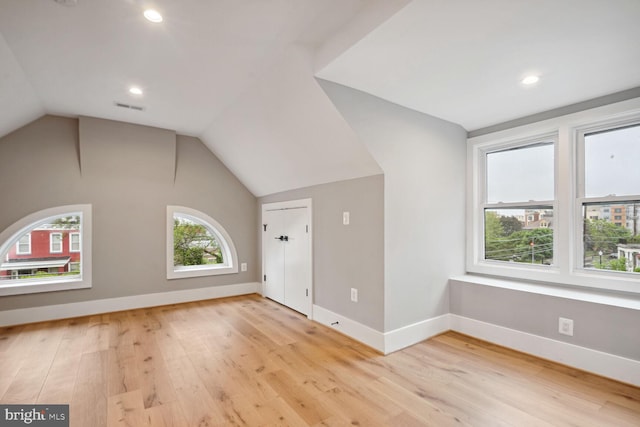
(239,73)
(463,60)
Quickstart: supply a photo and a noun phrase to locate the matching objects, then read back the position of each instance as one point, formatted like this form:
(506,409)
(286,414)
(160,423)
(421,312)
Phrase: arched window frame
(10,236)
(229,256)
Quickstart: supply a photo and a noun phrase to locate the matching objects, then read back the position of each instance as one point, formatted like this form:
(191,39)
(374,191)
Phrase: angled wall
(129,174)
(423,159)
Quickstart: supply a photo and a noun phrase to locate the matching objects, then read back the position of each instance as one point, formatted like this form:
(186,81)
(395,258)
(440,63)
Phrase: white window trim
(18,252)
(51,243)
(230,254)
(29,222)
(71,241)
(567,209)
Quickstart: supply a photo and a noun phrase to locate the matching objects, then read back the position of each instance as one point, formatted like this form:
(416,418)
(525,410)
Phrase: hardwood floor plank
(8,335)
(59,384)
(153,375)
(126,409)
(28,381)
(88,406)
(166,415)
(98,334)
(304,404)
(123,375)
(197,405)
(277,412)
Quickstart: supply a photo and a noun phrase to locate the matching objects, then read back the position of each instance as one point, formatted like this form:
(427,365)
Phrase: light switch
(345,218)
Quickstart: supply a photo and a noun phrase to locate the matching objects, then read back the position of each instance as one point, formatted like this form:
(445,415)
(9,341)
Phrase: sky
(612,163)
(612,166)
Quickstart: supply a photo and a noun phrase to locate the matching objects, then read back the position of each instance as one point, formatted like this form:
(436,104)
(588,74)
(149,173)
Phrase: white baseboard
(412,334)
(85,308)
(586,359)
(384,342)
(349,327)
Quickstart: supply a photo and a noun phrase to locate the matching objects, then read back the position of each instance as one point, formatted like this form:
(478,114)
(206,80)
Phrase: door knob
(281,238)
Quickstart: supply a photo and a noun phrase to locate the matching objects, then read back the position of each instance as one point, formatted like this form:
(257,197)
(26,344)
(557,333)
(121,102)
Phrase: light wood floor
(249,361)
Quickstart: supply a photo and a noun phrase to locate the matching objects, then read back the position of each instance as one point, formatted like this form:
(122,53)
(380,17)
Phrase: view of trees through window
(194,243)
(612,237)
(47,251)
(611,174)
(519,235)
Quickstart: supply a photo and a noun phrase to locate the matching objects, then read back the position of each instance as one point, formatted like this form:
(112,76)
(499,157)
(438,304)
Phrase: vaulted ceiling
(240,74)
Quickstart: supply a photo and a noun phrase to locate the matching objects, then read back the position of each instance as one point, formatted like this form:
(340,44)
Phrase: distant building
(50,250)
(537,219)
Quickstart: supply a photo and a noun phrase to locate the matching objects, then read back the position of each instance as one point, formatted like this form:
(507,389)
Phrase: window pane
(56,242)
(74,242)
(612,236)
(40,253)
(194,244)
(519,235)
(521,174)
(611,162)
(24,244)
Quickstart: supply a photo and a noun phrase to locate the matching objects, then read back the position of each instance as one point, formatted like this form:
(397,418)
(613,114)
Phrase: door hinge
(265,278)
(307,292)
(307,228)
(264,226)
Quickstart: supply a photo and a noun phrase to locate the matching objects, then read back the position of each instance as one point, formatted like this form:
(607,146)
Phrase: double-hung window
(23,246)
(558,201)
(55,243)
(608,200)
(518,206)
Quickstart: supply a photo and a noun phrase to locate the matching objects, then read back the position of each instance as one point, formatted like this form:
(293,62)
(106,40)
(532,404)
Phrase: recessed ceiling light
(135,90)
(153,15)
(529,80)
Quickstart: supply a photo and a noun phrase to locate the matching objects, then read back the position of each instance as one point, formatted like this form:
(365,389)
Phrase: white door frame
(290,204)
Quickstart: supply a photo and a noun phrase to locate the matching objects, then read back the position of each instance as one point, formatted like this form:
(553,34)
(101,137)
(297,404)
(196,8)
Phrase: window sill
(184,273)
(579,294)
(43,286)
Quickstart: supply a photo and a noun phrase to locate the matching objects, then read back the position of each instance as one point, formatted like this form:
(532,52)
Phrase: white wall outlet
(565,326)
(345,218)
(243,266)
(354,295)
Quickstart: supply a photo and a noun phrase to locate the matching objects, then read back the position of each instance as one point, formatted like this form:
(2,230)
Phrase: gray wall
(423,159)
(347,256)
(601,327)
(129,174)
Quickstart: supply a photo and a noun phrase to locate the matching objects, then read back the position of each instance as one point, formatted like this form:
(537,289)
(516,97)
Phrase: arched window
(197,245)
(49,250)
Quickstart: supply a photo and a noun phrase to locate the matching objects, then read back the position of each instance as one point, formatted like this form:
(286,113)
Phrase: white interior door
(297,260)
(286,247)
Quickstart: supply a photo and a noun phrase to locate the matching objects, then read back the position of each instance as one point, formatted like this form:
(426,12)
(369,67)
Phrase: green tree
(542,248)
(602,235)
(510,224)
(191,242)
(619,264)
(67,222)
(493,237)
